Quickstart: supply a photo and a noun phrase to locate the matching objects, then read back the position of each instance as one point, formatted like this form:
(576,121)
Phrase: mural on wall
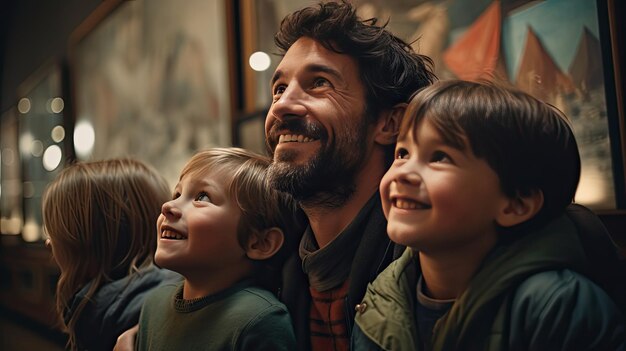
(550,49)
(151,79)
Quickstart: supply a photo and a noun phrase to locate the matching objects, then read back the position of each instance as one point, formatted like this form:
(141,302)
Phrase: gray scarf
(329,267)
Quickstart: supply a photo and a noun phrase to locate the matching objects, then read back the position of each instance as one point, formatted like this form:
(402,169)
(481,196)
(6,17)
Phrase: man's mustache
(295,126)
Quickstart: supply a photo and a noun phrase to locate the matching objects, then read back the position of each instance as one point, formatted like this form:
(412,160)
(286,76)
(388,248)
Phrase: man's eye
(175,196)
(402,153)
(321,82)
(279,89)
(440,157)
(203,197)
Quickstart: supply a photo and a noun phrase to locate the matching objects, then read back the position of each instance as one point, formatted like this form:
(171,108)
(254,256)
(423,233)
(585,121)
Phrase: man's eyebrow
(275,77)
(313,68)
(325,69)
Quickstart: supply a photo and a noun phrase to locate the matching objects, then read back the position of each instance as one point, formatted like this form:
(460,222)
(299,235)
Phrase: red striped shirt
(328,319)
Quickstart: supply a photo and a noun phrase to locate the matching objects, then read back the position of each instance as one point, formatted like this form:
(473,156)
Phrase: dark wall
(33,32)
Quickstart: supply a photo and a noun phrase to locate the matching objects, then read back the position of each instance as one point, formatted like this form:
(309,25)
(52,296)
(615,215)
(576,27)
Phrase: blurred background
(158,80)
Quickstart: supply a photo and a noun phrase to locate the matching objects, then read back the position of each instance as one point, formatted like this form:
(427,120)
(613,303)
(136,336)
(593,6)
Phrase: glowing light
(26,144)
(57,104)
(28,189)
(23,105)
(11,225)
(52,158)
(591,190)
(57,134)
(36,149)
(8,156)
(31,232)
(84,139)
(259,61)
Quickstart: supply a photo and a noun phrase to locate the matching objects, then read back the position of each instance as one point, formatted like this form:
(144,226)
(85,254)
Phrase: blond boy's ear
(519,209)
(388,125)
(265,244)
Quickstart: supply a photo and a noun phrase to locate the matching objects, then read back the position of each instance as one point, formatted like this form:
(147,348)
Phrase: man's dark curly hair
(389,68)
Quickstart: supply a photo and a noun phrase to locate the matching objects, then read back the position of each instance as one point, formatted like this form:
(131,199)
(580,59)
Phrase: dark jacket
(115,307)
(373,254)
(526,296)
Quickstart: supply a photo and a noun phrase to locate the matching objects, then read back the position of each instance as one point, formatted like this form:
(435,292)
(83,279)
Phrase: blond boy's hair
(261,206)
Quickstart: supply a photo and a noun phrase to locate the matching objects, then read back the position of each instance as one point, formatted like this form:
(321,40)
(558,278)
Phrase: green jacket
(526,296)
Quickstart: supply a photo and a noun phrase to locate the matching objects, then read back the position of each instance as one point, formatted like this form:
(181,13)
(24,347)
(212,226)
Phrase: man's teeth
(286,138)
(171,235)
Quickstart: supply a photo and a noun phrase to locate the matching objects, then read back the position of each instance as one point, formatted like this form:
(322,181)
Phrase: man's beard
(328,178)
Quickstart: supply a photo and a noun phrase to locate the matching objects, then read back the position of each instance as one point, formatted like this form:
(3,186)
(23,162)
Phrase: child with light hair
(227,233)
(99,218)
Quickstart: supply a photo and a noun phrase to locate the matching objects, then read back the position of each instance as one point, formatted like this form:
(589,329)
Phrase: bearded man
(339,94)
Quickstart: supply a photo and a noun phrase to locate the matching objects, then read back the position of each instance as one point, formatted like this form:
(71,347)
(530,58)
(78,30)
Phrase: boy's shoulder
(555,305)
(389,298)
(256,298)
(560,287)
(163,292)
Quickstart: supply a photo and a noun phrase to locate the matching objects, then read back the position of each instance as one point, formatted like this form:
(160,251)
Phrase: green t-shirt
(242,317)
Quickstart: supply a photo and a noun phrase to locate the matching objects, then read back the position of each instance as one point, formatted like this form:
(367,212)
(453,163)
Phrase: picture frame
(560,51)
(250,132)
(614,34)
(151,81)
(259,22)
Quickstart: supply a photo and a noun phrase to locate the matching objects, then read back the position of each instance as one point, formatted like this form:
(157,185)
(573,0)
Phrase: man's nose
(291,103)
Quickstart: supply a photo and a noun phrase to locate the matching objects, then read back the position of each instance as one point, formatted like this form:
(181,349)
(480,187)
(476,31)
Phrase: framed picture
(260,20)
(250,131)
(150,81)
(557,50)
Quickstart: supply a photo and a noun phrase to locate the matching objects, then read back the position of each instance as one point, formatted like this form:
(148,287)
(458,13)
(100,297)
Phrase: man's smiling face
(316,129)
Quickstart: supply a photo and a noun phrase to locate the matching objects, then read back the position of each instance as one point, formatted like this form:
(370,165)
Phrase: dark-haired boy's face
(316,128)
(440,198)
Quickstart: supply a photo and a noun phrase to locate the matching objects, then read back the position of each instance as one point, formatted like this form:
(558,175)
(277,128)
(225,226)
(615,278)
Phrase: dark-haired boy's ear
(262,246)
(388,124)
(520,209)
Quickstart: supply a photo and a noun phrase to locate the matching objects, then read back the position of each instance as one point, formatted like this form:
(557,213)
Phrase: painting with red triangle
(550,49)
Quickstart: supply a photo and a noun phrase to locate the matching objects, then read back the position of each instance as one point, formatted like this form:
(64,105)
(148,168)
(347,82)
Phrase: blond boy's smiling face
(197,229)
(437,197)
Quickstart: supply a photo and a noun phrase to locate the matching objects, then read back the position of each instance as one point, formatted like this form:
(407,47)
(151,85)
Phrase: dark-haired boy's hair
(527,142)
(389,68)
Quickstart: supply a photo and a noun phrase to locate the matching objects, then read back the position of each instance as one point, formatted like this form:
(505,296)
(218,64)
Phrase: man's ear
(389,124)
(519,209)
(264,245)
